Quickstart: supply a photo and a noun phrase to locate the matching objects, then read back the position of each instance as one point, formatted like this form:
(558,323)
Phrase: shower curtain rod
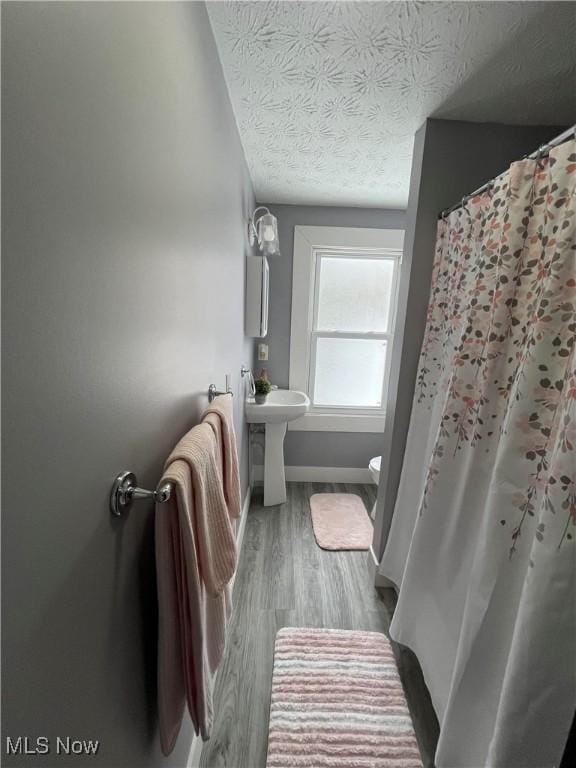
(542,151)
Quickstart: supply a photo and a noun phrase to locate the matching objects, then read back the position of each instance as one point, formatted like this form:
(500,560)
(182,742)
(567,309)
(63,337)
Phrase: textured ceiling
(328,95)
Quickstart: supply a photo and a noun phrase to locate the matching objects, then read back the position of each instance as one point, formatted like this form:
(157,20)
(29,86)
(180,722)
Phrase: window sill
(337,422)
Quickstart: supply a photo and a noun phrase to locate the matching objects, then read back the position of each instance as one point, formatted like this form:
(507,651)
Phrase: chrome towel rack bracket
(125,491)
(213,392)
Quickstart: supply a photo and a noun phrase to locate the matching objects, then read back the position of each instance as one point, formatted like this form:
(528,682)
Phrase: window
(343,306)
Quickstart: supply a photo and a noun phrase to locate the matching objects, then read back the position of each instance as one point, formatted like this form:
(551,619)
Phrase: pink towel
(220,416)
(195,560)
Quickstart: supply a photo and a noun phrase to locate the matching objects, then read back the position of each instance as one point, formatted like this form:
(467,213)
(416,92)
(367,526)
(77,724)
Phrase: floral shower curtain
(482,543)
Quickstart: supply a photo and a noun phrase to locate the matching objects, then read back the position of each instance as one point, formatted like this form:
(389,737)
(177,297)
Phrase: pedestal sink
(281,406)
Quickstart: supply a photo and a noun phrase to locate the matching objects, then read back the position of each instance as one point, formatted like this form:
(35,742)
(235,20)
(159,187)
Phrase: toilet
(374,468)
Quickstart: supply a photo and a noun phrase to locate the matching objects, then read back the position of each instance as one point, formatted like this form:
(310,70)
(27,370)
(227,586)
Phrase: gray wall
(315,449)
(125,200)
(450,159)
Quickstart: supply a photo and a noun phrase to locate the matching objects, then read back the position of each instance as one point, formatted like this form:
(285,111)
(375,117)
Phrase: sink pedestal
(274,475)
(281,406)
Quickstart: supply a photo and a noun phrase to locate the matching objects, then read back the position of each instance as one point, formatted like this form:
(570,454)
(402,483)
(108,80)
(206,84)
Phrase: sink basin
(282,405)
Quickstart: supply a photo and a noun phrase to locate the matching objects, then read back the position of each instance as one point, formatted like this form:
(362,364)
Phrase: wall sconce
(263,229)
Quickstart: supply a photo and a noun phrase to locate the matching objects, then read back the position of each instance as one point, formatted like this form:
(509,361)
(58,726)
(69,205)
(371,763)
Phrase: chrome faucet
(247,372)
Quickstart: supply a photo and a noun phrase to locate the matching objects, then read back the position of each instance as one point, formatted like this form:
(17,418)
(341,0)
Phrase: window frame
(310,245)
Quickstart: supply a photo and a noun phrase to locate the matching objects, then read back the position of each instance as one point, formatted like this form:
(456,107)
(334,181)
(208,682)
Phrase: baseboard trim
(195,752)
(242,523)
(379,579)
(240,533)
(319,474)
(372,557)
(197,743)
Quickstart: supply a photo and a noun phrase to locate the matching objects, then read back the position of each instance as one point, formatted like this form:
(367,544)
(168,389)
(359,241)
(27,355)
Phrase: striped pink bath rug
(340,521)
(337,702)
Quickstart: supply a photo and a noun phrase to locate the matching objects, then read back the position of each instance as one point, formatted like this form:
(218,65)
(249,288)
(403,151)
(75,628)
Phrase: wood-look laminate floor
(285,579)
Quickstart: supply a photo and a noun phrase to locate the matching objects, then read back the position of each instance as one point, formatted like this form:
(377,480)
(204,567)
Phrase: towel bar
(125,490)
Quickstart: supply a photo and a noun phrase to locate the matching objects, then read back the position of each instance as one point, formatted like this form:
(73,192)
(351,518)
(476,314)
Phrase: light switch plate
(262,351)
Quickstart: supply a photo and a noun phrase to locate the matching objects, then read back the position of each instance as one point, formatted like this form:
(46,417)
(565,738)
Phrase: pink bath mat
(338,702)
(340,521)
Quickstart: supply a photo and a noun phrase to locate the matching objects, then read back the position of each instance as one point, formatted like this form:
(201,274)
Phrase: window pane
(355,294)
(349,372)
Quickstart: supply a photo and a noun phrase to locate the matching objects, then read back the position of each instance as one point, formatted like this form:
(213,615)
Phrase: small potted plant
(262,387)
